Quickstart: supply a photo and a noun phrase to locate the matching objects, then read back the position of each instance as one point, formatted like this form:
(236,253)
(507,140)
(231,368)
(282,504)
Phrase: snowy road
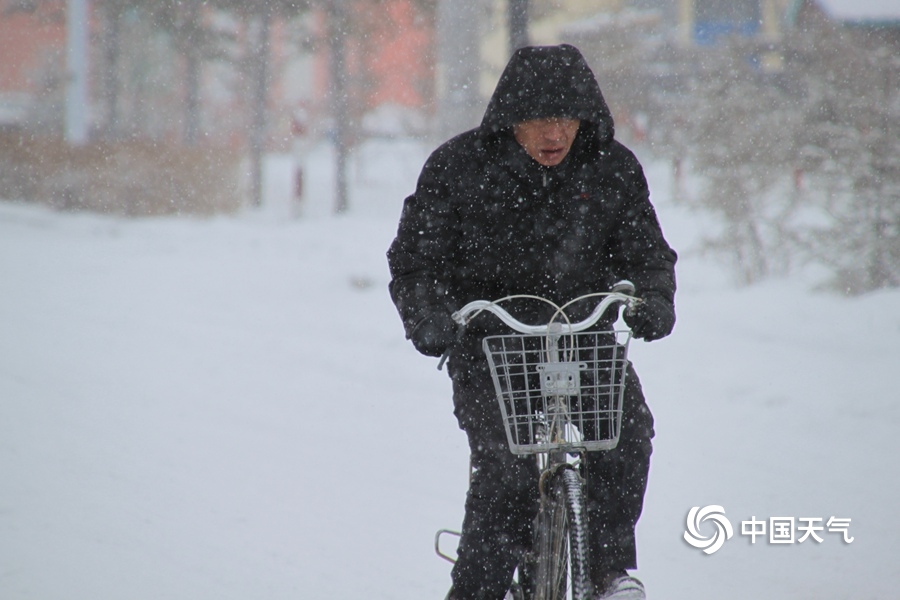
(227,409)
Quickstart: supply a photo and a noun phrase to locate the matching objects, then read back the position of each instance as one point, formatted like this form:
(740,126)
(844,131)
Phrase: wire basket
(560,392)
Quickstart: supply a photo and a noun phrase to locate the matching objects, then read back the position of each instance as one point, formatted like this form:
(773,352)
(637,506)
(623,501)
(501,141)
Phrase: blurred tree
(195,41)
(338,30)
(258,17)
(739,132)
(849,142)
(111,13)
(624,50)
(517,21)
(352,29)
(797,152)
(183,23)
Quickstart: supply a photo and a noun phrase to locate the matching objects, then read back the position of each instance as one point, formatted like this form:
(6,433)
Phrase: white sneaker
(624,587)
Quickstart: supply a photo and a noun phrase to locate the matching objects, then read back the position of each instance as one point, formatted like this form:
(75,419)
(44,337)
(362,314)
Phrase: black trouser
(503,497)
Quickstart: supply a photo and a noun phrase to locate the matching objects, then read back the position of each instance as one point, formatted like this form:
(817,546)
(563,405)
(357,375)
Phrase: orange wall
(402,59)
(27,43)
(396,57)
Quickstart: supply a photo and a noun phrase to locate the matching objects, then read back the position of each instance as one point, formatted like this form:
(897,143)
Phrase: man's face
(547,140)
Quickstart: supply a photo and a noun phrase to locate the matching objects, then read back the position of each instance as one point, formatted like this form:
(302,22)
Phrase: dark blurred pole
(112,51)
(192,77)
(337,34)
(259,95)
(459,61)
(192,97)
(517,20)
(77,71)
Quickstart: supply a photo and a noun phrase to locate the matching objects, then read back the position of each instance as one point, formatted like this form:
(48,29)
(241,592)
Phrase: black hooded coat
(487,221)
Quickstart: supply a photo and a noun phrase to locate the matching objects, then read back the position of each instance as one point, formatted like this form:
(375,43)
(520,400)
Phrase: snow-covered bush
(795,144)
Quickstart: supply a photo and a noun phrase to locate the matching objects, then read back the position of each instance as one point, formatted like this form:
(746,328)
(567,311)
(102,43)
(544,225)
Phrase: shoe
(622,586)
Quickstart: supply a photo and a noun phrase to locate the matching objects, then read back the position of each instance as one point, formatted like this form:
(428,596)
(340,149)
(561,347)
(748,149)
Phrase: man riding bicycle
(541,200)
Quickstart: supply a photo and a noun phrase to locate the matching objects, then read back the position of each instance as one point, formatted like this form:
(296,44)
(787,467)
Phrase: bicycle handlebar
(622,292)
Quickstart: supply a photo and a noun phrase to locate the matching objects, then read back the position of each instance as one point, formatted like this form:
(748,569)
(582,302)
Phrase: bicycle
(560,390)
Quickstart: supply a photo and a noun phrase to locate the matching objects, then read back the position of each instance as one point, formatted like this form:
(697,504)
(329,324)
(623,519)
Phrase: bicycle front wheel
(561,569)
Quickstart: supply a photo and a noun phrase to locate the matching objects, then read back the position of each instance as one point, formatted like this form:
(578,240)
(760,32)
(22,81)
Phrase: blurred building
(32,49)
(140,66)
(548,20)
(877,20)
(704,22)
(391,71)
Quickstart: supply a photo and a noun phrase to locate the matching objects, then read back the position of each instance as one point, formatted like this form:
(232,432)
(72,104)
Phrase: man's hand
(651,319)
(434,333)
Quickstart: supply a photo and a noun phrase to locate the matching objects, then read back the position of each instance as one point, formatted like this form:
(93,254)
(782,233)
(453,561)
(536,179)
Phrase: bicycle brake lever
(459,335)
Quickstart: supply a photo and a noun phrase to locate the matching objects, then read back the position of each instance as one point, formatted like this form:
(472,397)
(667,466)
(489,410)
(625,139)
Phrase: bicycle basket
(560,393)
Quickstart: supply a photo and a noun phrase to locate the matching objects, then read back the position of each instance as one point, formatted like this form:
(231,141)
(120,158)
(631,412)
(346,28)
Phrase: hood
(547,81)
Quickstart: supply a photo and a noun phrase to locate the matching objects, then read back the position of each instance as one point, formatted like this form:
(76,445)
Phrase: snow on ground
(227,409)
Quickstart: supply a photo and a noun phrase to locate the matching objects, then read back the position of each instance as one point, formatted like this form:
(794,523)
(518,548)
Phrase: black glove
(653,318)
(434,333)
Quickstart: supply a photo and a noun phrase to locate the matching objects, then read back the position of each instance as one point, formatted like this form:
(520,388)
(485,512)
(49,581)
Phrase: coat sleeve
(418,256)
(639,250)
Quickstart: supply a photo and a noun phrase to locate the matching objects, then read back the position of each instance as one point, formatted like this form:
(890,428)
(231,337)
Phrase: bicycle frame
(560,385)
